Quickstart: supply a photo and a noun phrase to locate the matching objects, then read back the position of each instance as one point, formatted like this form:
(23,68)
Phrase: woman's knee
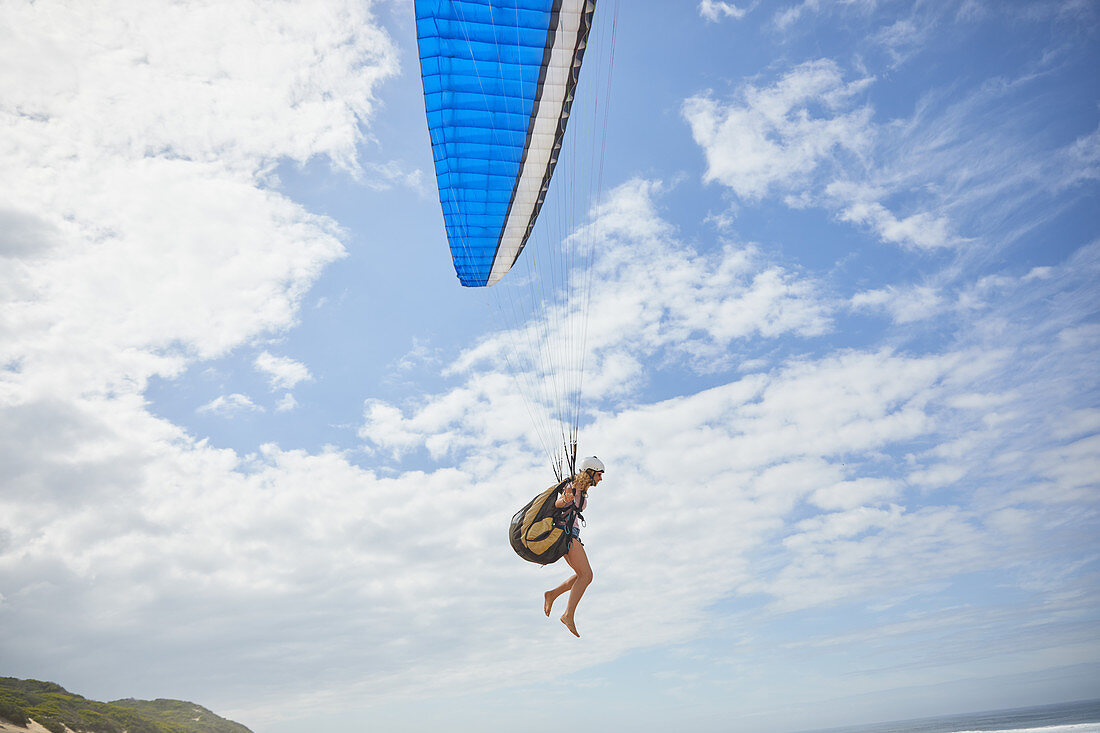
(585,575)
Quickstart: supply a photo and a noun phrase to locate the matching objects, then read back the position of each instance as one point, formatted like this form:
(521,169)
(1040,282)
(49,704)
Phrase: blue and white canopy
(499,78)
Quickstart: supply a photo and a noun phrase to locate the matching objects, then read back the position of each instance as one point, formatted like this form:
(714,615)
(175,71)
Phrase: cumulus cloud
(921,231)
(655,298)
(802,479)
(855,439)
(282,372)
(860,436)
(23,235)
(772,139)
(685,301)
(813,462)
(141,232)
(138,142)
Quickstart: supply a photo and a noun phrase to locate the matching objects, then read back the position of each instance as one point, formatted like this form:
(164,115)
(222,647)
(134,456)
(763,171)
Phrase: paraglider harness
(542,533)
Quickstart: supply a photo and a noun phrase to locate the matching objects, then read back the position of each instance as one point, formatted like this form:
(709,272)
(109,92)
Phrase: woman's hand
(565,499)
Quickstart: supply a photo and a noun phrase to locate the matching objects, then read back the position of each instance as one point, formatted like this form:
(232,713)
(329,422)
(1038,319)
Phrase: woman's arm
(566,497)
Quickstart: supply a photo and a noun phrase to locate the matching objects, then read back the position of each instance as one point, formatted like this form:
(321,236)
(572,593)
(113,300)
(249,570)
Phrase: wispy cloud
(959,174)
(805,136)
(904,305)
(230,404)
(716,10)
(790,15)
(382,176)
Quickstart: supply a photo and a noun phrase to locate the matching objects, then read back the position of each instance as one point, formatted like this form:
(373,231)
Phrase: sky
(256,451)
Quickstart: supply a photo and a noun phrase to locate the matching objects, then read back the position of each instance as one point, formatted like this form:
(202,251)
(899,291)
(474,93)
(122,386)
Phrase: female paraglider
(575,493)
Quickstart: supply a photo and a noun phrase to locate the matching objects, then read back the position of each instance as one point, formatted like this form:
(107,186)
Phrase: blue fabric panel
(480,61)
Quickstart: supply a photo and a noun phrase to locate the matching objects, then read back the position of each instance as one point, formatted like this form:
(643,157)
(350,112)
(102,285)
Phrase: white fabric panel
(544,132)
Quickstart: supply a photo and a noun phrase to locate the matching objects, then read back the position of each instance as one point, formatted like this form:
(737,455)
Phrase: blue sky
(255,450)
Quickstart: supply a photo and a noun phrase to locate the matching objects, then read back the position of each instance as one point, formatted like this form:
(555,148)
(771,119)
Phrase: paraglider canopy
(500,88)
(499,79)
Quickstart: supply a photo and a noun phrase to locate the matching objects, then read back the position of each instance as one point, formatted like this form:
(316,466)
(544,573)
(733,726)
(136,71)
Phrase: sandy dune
(6,727)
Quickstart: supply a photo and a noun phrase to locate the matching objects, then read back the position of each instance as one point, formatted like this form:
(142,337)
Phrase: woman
(589,473)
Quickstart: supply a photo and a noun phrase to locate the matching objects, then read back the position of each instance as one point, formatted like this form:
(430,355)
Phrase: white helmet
(591,462)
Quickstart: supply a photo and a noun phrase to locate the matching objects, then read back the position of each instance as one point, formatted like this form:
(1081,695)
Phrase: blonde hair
(583,480)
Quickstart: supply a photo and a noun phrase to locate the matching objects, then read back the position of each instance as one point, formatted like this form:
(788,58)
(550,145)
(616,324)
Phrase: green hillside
(54,707)
(186,715)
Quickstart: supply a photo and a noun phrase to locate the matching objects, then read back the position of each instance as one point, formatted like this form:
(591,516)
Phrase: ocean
(1068,717)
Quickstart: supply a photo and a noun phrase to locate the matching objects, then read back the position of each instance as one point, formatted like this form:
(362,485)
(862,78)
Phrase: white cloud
(25,236)
(921,231)
(139,137)
(140,232)
(845,554)
(773,139)
(804,137)
(1083,159)
(682,300)
(1079,422)
(851,439)
(855,493)
(903,32)
(905,305)
(971,10)
(785,18)
(1072,470)
(796,483)
(1038,273)
(286,403)
(716,10)
(282,372)
(381,176)
(230,404)
(957,174)
(421,355)
(861,437)
(654,297)
(207,82)
(323,582)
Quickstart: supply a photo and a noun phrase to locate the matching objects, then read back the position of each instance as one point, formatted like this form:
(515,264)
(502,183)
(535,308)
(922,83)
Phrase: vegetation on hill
(187,715)
(56,708)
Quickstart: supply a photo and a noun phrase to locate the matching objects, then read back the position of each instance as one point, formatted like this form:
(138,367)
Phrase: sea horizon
(1078,716)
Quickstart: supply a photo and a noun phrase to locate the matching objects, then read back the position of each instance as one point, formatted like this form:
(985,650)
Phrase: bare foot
(547,602)
(570,625)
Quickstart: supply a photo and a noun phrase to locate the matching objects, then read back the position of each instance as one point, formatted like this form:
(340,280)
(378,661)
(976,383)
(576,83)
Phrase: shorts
(575,530)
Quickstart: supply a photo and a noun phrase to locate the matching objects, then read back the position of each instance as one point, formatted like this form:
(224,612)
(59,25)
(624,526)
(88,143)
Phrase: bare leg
(550,596)
(577,560)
